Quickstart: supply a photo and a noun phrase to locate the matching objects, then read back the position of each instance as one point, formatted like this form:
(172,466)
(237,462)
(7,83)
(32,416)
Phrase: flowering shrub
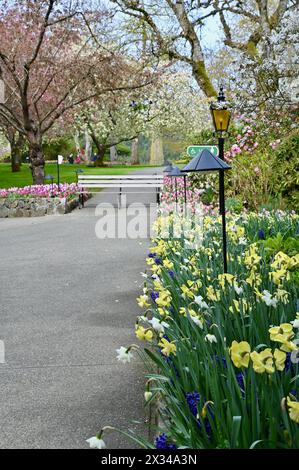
(44,190)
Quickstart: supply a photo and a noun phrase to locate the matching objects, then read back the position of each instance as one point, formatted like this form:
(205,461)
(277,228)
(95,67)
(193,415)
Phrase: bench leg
(81,200)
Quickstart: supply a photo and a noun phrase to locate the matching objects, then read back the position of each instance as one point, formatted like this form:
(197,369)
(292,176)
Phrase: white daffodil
(295,323)
(144,275)
(242,241)
(200,302)
(238,289)
(197,322)
(268,299)
(158,325)
(96,443)
(211,338)
(124,355)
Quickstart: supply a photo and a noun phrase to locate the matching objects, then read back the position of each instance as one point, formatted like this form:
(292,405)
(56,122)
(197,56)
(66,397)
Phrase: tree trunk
(101,149)
(16,142)
(157,155)
(37,161)
(113,154)
(15,157)
(134,152)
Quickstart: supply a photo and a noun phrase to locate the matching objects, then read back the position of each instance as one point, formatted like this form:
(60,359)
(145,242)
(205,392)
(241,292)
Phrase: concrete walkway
(67,302)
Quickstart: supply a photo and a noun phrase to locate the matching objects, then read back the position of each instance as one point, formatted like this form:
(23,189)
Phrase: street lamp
(168,169)
(205,162)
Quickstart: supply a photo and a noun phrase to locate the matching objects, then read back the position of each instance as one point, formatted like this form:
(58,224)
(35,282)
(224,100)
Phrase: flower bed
(222,349)
(43,190)
(39,200)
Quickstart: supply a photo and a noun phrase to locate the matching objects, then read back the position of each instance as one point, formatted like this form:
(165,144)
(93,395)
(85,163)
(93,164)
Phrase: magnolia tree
(50,64)
(171,103)
(260,33)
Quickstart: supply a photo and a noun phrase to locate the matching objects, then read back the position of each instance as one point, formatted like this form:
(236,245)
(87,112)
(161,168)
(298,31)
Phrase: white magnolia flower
(96,443)
(268,299)
(197,322)
(200,302)
(123,355)
(211,338)
(238,289)
(158,325)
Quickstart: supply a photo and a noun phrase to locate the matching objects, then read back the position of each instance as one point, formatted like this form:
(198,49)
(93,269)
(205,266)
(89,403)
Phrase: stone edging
(36,206)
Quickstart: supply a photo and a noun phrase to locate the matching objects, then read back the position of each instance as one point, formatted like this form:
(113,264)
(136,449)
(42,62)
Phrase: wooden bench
(121,183)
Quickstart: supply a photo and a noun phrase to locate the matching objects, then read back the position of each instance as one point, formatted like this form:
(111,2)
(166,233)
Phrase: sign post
(59,162)
(194,150)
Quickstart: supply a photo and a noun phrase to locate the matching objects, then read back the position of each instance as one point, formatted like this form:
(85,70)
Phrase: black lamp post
(206,162)
(177,173)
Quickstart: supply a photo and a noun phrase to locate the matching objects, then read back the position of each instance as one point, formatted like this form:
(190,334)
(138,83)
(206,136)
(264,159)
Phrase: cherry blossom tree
(170,104)
(50,64)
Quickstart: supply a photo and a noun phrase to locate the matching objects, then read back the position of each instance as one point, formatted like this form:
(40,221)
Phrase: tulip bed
(221,349)
(65,190)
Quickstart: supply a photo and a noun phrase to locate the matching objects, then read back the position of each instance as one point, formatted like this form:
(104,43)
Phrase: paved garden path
(67,302)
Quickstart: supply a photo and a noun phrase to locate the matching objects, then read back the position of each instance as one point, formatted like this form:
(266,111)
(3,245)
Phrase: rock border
(36,206)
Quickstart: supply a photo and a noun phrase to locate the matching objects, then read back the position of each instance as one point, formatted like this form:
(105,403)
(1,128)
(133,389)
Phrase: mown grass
(67,173)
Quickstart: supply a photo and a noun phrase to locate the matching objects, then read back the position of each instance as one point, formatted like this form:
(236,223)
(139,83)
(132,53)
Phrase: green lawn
(67,173)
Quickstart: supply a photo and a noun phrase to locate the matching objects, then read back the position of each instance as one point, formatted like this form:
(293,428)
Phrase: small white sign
(60,159)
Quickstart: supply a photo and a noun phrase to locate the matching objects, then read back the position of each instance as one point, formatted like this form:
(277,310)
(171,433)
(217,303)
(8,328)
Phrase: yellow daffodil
(251,257)
(263,361)
(279,276)
(225,277)
(293,410)
(183,311)
(254,278)
(282,295)
(240,353)
(212,294)
(162,311)
(142,301)
(164,299)
(239,306)
(283,334)
(187,293)
(144,334)
(279,358)
(167,348)
(167,264)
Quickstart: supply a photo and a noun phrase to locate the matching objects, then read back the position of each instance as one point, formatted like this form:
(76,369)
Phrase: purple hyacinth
(171,274)
(154,295)
(161,443)
(193,399)
(158,260)
(152,255)
(261,234)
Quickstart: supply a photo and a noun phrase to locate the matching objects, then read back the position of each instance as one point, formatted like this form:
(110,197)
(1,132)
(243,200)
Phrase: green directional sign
(196,149)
